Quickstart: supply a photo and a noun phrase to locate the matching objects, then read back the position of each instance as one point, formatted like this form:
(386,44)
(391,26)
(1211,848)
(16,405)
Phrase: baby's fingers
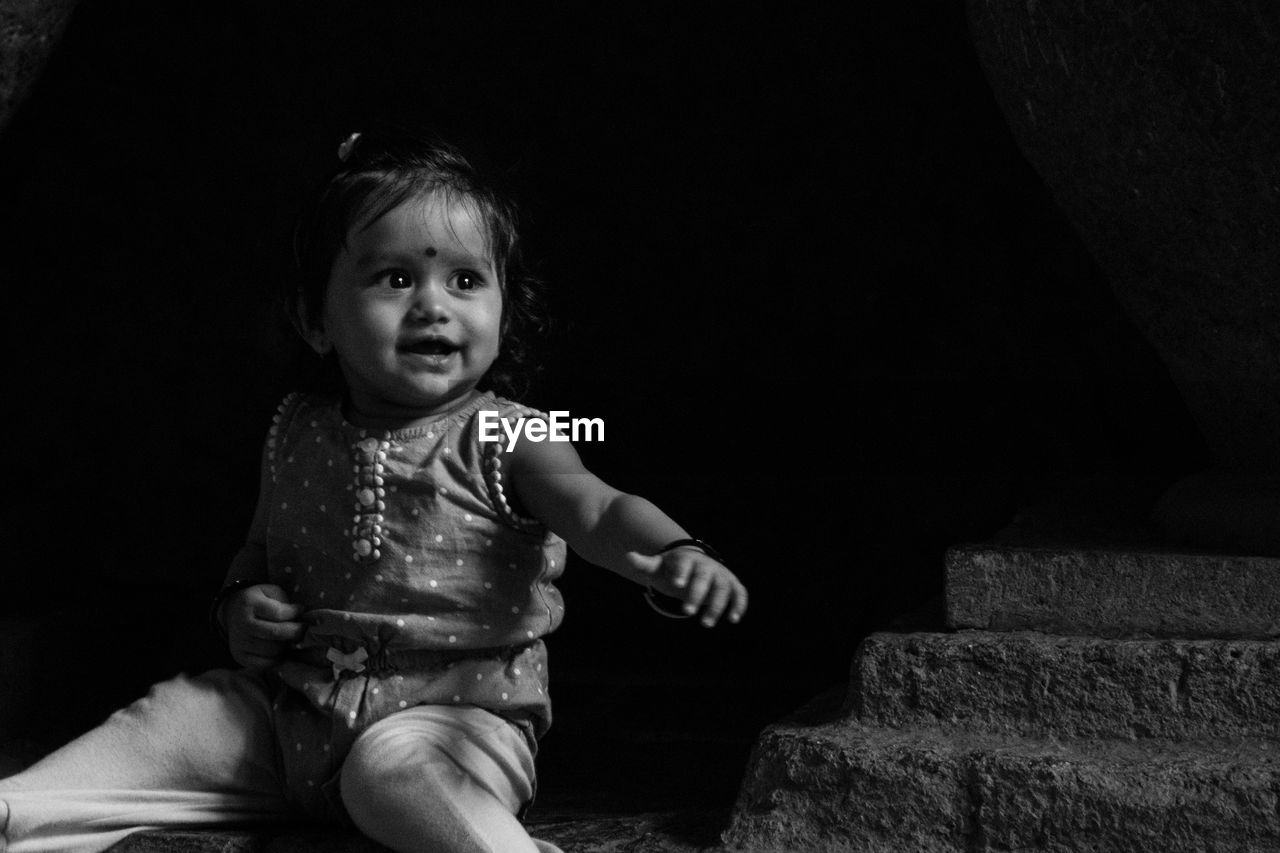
(643,564)
(278,632)
(697,592)
(739,601)
(273,610)
(717,601)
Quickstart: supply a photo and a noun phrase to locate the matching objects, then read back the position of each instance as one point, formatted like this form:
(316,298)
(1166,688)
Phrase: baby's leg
(194,751)
(441,778)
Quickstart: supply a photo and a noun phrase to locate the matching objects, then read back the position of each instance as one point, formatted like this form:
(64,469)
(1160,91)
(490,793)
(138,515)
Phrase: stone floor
(662,832)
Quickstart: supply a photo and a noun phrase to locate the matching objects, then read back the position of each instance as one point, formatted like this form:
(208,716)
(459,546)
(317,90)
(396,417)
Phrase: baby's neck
(392,418)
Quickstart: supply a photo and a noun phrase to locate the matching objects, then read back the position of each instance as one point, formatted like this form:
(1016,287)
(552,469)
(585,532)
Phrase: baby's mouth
(431,347)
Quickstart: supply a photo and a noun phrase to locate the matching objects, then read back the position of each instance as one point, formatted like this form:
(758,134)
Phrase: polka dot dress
(420,583)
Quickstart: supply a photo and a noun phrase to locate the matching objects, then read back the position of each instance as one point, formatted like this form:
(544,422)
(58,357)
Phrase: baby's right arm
(257,616)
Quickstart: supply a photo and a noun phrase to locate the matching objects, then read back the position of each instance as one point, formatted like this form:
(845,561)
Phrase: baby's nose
(431,302)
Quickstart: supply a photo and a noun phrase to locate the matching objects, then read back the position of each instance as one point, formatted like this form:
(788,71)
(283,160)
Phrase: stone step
(1113,593)
(1032,684)
(834,786)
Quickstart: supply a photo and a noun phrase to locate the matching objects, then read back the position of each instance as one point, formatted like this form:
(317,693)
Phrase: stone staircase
(1084,700)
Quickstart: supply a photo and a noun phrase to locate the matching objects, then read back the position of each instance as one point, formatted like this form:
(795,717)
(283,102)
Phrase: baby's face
(413,309)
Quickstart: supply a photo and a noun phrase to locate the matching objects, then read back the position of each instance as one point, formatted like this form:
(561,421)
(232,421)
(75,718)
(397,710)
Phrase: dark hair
(382,169)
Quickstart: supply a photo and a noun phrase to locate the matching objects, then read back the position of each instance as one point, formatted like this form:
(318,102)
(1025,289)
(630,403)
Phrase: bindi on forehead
(430,252)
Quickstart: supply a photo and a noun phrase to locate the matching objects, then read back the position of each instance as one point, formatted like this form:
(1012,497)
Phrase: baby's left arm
(621,532)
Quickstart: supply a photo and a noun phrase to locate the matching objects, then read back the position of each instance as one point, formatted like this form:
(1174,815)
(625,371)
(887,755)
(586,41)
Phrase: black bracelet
(221,598)
(658,601)
(693,543)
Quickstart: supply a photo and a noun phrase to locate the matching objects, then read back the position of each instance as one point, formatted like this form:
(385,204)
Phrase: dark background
(831,319)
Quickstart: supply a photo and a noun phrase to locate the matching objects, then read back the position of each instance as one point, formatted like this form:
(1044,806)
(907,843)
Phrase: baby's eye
(468,281)
(397,279)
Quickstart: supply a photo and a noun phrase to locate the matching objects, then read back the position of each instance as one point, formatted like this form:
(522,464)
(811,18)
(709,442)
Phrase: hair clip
(348,145)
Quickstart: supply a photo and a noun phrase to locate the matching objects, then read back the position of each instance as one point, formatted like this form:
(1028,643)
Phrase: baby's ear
(317,340)
(311,332)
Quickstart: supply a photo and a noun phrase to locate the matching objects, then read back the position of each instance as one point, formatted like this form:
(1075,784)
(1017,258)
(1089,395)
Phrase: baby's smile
(432,350)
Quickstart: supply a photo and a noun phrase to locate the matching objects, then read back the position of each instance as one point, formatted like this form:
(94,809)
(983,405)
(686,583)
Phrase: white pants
(200,752)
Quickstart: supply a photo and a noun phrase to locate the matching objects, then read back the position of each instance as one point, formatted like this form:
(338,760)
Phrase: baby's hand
(703,584)
(261,624)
